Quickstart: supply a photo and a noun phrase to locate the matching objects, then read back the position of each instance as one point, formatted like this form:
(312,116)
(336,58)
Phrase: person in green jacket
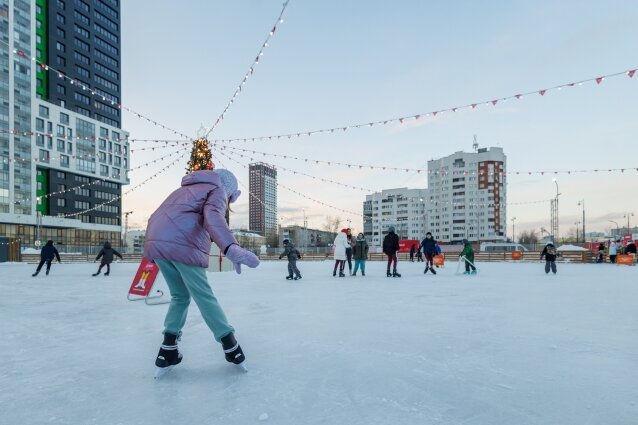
(468,253)
(360,253)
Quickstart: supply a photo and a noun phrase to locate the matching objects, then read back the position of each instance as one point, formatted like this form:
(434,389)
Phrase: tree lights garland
(104,98)
(148,179)
(200,156)
(251,69)
(422,170)
(400,120)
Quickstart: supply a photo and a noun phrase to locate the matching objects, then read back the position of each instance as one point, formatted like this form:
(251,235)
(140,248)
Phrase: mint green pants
(186,281)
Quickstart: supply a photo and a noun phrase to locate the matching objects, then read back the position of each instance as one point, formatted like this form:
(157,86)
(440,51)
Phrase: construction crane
(126,214)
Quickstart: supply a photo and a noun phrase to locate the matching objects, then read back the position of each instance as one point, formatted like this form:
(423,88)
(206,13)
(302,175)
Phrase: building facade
(304,238)
(404,209)
(262,206)
(61,169)
(467,196)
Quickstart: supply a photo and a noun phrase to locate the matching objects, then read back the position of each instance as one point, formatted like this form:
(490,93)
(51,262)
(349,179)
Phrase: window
(104,132)
(116,136)
(39,124)
(83,111)
(82,45)
(81,18)
(64,160)
(83,72)
(61,187)
(82,179)
(83,191)
(61,4)
(44,155)
(82,205)
(81,58)
(60,145)
(60,60)
(60,19)
(102,156)
(106,46)
(61,202)
(64,118)
(82,98)
(82,31)
(102,144)
(104,170)
(106,83)
(39,140)
(106,58)
(43,112)
(109,11)
(106,33)
(112,25)
(38,39)
(60,129)
(69,147)
(60,32)
(107,71)
(61,175)
(60,89)
(69,133)
(38,9)
(82,5)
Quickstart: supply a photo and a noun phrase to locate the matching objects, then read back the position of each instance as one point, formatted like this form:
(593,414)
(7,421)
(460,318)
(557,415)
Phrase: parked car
(501,247)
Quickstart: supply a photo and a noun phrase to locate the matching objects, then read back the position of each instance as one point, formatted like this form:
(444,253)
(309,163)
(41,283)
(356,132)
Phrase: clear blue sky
(334,62)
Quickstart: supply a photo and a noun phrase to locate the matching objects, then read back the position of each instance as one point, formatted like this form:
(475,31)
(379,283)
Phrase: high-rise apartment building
(62,152)
(403,208)
(467,196)
(262,207)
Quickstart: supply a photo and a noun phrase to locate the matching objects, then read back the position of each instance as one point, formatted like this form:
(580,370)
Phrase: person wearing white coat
(613,251)
(340,246)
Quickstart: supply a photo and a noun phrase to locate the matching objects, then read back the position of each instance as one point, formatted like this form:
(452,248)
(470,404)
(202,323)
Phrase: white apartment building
(403,208)
(467,196)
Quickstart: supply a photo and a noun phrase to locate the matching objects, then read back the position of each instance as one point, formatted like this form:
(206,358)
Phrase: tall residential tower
(262,207)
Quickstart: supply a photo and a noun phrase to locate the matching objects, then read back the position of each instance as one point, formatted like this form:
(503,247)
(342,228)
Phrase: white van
(501,247)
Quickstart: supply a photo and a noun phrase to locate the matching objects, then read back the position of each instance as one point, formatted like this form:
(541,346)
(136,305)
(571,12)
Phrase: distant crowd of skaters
(48,253)
(348,248)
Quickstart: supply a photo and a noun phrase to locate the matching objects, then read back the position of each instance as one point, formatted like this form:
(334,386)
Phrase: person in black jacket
(428,246)
(106,253)
(292,254)
(351,242)
(47,254)
(550,253)
(630,248)
(390,248)
(412,250)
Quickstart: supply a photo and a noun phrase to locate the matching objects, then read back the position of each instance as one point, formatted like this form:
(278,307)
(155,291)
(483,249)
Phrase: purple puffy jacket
(182,228)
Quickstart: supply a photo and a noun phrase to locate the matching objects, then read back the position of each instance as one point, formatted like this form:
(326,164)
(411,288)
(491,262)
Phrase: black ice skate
(432,270)
(342,274)
(35,274)
(297,277)
(388,274)
(106,274)
(426,270)
(288,277)
(47,272)
(233,351)
(168,356)
(96,273)
(395,274)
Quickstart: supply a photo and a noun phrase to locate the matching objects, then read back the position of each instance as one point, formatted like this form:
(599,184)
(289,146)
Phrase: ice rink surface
(510,346)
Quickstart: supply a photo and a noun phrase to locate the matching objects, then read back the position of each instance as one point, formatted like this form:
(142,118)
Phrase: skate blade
(241,366)
(161,371)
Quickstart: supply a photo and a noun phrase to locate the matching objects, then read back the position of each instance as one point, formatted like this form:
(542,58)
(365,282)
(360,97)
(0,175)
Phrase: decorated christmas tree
(200,156)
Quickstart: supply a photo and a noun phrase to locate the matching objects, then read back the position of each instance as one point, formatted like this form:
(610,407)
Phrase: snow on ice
(509,346)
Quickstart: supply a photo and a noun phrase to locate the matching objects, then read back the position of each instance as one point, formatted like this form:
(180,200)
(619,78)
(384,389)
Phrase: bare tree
(332,224)
(529,237)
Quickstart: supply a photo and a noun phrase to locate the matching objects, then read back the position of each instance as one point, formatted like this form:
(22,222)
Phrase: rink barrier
(81,258)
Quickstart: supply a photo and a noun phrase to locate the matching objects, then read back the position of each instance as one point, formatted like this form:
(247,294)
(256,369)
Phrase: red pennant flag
(542,92)
(518,96)
(473,105)
(631,73)
(401,120)
(453,109)
(599,80)
(434,113)
(416,117)
(494,102)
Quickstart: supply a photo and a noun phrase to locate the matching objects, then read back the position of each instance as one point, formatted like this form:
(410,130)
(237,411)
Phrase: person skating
(351,242)
(178,239)
(468,255)
(550,253)
(613,252)
(340,246)
(412,253)
(292,254)
(428,246)
(601,253)
(47,254)
(106,253)
(419,255)
(360,252)
(630,248)
(390,248)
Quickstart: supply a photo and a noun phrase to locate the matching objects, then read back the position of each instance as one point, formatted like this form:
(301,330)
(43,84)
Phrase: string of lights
(303,195)
(31,133)
(14,242)
(154,161)
(251,69)
(103,96)
(142,183)
(434,113)
(313,161)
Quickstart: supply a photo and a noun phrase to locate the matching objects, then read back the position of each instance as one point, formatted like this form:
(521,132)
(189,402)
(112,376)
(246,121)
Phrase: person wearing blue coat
(428,246)
(47,254)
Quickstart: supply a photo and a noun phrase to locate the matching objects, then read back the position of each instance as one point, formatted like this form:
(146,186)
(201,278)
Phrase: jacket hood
(49,243)
(202,176)
(107,245)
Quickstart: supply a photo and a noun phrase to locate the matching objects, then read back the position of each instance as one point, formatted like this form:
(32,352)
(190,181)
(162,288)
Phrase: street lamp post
(555,221)
(582,203)
(305,227)
(577,224)
(513,232)
(627,217)
(617,227)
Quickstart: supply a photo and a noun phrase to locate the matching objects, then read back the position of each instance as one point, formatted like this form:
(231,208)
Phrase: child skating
(47,254)
(106,253)
(293,255)
(178,240)
(428,246)
(360,251)
(468,257)
(550,253)
(390,248)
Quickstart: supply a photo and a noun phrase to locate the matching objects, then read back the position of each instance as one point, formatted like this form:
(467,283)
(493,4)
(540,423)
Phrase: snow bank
(571,248)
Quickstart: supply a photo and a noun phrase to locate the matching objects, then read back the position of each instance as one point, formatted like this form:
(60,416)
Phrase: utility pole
(125,244)
(554,214)
(513,233)
(582,202)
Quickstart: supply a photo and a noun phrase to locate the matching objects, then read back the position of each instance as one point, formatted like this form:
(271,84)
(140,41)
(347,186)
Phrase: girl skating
(106,253)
